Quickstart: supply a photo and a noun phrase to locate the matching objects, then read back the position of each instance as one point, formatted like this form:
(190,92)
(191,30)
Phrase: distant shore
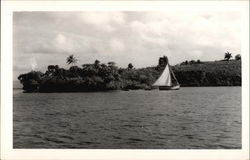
(217,73)
(103,77)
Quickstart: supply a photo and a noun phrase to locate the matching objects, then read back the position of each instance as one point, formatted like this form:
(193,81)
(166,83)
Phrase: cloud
(103,21)
(116,45)
(124,37)
(60,39)
(100,18)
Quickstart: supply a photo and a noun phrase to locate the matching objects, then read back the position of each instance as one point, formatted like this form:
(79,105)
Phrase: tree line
(227,57)
(89,77)
(99,76)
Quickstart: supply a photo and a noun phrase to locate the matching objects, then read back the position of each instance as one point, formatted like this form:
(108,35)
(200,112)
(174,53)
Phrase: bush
(238,57)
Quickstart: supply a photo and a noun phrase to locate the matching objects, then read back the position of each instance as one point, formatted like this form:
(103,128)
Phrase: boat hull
(169,87)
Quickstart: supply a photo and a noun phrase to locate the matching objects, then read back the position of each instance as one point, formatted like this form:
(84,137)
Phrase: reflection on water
(204,118)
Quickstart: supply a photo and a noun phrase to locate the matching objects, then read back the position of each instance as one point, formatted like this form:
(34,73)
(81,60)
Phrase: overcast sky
(140,38)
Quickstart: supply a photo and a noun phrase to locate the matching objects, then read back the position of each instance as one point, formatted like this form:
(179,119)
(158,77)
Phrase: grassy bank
(217,73)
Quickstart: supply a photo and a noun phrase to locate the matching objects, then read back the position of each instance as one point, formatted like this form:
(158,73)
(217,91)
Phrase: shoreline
(104,77)
(118,90)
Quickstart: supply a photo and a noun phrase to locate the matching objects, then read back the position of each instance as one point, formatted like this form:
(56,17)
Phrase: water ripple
(207,118)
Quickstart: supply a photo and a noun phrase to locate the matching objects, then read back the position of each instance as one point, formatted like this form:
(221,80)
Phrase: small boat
(167,80)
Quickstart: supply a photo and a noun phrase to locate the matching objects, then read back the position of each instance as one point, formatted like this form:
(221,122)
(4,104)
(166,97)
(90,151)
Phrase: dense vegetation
(101,77)
(218,73)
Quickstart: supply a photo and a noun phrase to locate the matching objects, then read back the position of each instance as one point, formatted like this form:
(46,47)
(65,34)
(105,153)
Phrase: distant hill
(217,73)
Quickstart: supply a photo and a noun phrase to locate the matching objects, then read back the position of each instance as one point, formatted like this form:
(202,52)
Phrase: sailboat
(167,80)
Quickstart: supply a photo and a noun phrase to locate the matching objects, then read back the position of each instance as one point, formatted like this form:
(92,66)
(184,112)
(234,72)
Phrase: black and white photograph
(127,79)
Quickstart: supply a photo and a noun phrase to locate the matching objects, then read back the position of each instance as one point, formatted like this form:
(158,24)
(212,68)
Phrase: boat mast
(173,74)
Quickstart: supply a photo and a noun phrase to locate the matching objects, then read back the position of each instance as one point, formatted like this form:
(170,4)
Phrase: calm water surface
(204,118)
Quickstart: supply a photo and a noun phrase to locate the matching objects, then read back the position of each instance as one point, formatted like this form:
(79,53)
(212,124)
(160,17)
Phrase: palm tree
(228,56)
(71,60)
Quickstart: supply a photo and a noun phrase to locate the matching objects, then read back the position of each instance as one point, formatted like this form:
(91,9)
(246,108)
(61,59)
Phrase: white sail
(164,79)
(173,76)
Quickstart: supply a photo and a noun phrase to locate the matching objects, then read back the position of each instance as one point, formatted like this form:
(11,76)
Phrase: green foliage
(31,80)
(111,64)
(101,77)
(184,63)
(138,78)
(238,57)
(130,66)
(227,56)
(163,61)
(220,73)
(71,60)
(91,77)
(191,62)
(97,63)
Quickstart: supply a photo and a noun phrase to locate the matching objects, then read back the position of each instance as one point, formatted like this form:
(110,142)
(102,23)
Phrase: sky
(48,38)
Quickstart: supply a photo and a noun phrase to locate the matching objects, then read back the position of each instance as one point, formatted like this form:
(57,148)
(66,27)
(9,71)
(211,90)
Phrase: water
(190,118)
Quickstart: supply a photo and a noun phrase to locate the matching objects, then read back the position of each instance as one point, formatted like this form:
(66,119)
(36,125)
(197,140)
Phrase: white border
(7,8)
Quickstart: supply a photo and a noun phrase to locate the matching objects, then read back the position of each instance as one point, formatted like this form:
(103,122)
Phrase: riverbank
(104,77)
(217,73)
